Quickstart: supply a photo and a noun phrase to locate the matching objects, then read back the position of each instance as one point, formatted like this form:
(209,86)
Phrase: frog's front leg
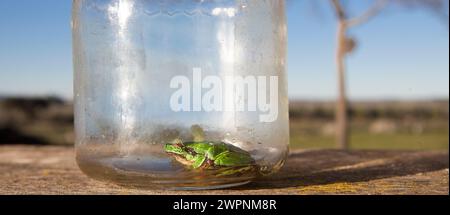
(198,161)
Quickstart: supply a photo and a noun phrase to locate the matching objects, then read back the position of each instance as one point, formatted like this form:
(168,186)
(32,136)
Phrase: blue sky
(402,54)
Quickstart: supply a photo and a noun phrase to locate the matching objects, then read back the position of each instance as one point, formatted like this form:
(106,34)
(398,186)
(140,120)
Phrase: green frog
(209,155)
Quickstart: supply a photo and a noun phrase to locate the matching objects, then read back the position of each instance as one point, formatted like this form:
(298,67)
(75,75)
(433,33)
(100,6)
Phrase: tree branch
(340,12)
(374,10)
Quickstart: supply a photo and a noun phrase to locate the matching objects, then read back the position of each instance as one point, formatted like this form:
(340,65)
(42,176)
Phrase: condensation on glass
(128,55)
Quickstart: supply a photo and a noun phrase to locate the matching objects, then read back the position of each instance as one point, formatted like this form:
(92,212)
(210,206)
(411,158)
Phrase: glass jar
(180,94)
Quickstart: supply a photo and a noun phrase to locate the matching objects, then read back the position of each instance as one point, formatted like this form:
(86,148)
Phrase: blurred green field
(388,125)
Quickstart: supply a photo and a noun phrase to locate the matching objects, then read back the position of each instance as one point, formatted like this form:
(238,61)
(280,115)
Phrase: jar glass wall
(182,94)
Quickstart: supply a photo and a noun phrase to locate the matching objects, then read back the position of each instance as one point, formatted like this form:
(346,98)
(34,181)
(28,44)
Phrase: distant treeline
(35,120)
(436,109)
(422,110)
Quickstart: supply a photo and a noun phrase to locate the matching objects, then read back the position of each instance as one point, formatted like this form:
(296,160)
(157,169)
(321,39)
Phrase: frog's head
(177,149)
(179,152)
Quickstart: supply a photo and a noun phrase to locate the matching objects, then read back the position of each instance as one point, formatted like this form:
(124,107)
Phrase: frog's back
(199,147)
(213,148)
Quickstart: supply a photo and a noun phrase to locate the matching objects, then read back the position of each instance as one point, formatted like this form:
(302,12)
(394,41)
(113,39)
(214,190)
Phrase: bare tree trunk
(342,128)
(343,48)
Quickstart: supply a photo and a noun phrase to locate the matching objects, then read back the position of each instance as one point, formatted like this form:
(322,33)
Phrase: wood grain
(52,170)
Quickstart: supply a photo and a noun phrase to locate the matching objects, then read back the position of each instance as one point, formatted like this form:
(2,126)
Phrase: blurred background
(396,75)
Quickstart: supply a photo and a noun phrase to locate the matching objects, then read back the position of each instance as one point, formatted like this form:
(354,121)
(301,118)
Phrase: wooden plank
(52,170)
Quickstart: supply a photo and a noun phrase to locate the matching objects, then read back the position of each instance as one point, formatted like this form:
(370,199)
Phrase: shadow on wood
(332,166)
